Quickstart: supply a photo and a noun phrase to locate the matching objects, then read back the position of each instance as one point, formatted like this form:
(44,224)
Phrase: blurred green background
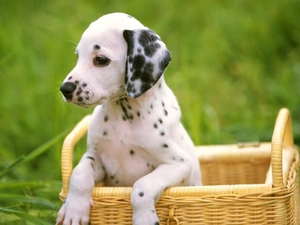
(235,64)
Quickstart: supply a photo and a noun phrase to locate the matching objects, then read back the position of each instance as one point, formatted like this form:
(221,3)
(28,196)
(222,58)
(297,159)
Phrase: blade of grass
(25,216)
(24,199)
(12,165)
(36,152)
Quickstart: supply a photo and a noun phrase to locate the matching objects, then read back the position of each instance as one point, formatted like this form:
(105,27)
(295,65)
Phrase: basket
(247,183)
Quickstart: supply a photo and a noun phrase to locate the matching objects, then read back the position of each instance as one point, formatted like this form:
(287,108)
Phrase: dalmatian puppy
(135,136)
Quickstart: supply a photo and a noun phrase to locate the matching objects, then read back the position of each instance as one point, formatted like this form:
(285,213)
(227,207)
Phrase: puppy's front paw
(145,218)
(75,211)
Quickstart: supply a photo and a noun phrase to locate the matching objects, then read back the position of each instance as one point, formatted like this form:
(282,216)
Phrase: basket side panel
(108,210)
(234,173)
(225,210)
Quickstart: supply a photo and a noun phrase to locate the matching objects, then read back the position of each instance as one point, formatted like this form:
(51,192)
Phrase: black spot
(112,177)
(151,106)
(79,91)
(126,72)
(129,106)
(162,133)
(126,115)
(128,36)
(132,152)
(151,49)
(146,37)
(153,211)
(159,86)
(165,112)
(79,99)
(145,86)
(155,126)
(105,118)
(76,82)
(181,159)
(96,47)
(160,121)
(156,223)
(163,104)
(130,59)
(124,118)
(141,194)
(84,84)
(117,181)
(91,158)
(70,78)
(139,50)
(104,133)
(138,113)
(165,145)
(87,98)
(138,62)
(165,61)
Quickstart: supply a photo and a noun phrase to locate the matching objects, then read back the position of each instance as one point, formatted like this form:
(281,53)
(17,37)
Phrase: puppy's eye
(101,61)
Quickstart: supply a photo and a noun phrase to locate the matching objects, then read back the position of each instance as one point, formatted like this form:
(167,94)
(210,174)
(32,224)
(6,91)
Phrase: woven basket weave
(237,189)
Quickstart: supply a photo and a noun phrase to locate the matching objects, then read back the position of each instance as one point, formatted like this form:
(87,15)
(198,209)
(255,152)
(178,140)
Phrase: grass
(235,64)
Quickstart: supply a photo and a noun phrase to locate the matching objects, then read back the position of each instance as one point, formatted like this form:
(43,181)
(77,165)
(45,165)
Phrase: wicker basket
(236,189)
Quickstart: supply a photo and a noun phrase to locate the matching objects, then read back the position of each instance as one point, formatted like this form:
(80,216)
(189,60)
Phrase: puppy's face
(100,70)
(117,57)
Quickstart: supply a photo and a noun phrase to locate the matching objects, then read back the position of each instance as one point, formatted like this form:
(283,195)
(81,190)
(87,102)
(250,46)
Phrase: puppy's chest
(124,161)
(125,164)
(120,148)
(126,131)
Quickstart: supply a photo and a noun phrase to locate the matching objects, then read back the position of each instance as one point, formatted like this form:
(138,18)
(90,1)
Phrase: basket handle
(282,138)
(67,150)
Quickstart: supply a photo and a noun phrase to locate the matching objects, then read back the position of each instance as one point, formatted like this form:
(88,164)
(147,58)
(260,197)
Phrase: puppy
(135,137)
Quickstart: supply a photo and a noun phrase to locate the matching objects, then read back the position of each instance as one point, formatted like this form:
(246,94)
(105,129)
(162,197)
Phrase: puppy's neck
(145,105)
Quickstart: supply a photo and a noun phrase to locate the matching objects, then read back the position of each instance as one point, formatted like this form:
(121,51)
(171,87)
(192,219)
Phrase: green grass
(235,64)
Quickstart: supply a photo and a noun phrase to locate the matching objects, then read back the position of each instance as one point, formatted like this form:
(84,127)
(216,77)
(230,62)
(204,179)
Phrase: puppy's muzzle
(67,90)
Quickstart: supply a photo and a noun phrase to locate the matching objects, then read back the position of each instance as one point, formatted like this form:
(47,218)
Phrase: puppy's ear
(147,59)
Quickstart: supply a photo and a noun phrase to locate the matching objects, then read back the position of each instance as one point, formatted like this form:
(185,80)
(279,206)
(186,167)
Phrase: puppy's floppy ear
(147,59)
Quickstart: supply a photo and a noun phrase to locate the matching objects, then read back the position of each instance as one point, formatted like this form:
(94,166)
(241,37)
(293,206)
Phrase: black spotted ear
(147,59)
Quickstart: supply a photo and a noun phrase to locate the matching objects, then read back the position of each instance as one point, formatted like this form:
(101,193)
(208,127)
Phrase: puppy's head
(117,57)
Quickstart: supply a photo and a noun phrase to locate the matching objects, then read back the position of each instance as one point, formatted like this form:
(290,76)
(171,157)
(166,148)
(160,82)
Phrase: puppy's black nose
(67,89)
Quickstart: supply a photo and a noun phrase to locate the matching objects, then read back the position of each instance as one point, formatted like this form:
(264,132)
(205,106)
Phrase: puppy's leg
(175,170)
(76,208)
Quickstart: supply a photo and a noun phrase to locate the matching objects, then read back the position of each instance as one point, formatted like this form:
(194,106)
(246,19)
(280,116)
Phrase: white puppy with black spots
(135,137)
